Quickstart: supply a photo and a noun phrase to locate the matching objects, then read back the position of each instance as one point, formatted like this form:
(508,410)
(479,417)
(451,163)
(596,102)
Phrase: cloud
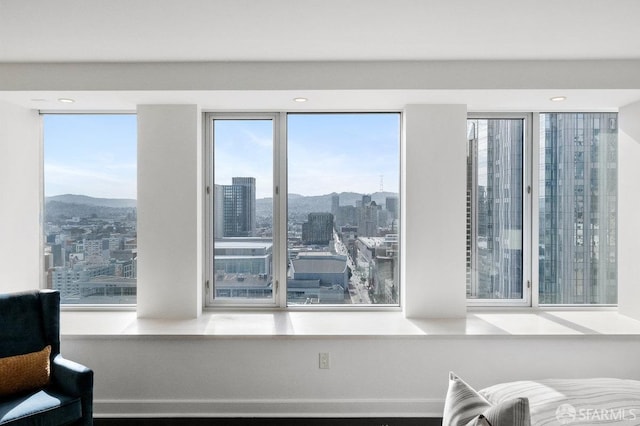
(261,141)
(61,179)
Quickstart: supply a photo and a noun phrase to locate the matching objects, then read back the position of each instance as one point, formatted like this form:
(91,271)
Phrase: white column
(169,211)
(433,259)
(629,210)
(21,266)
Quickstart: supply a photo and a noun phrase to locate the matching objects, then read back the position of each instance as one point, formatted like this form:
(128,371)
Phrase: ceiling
(123,31)
(320,30)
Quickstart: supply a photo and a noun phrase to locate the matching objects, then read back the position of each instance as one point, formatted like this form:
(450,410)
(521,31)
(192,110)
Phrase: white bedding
(574,402)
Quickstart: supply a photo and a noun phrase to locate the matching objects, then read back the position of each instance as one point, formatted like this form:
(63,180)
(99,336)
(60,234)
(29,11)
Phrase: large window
(576,230)
(333,240)
(89,218)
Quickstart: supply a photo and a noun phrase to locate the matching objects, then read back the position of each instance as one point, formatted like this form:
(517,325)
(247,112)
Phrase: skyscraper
(495,213)
(335,204)
(239,207)
(318,229)
(578,208)
(368,217)
(391,204)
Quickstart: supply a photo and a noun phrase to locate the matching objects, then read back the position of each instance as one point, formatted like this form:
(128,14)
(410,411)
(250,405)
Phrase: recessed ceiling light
(300,100)
(66,100)
(559,98)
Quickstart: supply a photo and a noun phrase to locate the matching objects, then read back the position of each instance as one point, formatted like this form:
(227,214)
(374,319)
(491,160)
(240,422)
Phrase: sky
(326,153)
(95,154)
(90,154)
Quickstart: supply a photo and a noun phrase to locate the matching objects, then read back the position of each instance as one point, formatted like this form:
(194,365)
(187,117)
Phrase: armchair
(38,387)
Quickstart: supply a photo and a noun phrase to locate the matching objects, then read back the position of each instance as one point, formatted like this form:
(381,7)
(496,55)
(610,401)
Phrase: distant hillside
(67,206)
(90,201)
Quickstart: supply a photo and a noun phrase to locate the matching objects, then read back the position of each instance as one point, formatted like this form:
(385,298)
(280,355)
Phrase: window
(334,239)
(342,222)
(242,219)
(89,218)
(576,207)
(496,209)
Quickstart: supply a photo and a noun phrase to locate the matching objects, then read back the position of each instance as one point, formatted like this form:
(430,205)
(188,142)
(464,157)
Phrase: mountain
(90,201)
(62,207)
(299,206)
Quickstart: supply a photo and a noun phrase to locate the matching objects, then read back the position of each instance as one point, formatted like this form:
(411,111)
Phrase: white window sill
(296,324)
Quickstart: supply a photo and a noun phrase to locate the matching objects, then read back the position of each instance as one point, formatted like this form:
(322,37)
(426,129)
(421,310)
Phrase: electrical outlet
(323,360)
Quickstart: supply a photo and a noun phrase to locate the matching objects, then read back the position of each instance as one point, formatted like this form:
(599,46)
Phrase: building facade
(238,207)
(578,208)
(495,213)
(318,229)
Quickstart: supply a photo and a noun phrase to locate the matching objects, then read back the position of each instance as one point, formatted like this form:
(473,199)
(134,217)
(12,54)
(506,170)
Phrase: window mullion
(534,222)
(280,207)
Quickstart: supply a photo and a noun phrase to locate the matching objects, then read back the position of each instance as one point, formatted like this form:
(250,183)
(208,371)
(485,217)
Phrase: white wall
(369,376)
(169,211)
(629,210)
(433,209)
(20,195)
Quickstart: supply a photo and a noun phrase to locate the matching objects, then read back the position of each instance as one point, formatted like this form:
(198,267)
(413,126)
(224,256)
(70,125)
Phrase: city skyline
(258,199)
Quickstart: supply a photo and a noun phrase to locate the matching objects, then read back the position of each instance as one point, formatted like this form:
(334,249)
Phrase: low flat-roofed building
(312,292)
(249,256)
(108,289)
(243,286)
(329,271)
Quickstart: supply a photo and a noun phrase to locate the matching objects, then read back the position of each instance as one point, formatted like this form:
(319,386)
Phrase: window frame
(280,213)
(278,186)
(532,164)
(529,164)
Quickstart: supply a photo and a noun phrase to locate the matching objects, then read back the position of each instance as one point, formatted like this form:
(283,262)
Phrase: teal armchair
(37,385)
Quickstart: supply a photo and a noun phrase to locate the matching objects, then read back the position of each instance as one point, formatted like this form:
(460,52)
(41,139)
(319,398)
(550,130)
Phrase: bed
(549,402)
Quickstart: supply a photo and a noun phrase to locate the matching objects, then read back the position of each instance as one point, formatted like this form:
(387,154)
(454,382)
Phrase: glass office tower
(495,208)
(578,208)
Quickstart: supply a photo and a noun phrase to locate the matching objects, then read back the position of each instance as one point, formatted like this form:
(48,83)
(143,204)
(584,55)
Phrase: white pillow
(464,406)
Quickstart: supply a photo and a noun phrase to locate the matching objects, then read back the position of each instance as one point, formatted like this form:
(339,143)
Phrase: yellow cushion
(24,372)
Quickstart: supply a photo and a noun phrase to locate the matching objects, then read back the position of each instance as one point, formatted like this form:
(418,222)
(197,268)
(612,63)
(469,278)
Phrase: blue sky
(326,153)
(90,154)
(95,155)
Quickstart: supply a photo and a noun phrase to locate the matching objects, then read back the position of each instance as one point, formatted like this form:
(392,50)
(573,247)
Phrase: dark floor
(398,421)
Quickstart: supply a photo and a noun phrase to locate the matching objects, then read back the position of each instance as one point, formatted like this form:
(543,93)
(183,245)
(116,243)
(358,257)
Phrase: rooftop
(244,244)
(327,265)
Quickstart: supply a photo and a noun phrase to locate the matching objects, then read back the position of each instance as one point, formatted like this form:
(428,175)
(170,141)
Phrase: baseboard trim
(227,408)
(270,421)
